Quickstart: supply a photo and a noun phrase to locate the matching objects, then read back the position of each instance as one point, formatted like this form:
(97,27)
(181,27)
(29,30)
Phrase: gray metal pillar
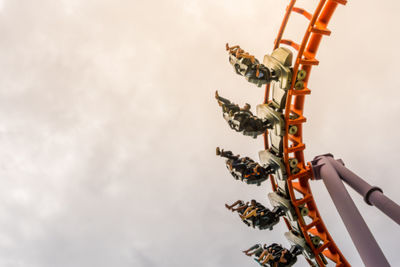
(364,241)
(372,195)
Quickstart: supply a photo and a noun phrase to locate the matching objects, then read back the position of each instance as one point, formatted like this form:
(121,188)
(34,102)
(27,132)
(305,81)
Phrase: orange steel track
(293,144)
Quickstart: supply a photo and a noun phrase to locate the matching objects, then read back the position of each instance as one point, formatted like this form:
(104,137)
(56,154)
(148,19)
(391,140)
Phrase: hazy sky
(108,127)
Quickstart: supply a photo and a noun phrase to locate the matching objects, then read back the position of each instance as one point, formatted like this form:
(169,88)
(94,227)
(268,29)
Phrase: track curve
(293,143)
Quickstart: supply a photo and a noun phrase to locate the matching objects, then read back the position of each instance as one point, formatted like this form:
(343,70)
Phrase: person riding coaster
(245,169)
(242,119)
(274,255)
(256,215)
(248,66)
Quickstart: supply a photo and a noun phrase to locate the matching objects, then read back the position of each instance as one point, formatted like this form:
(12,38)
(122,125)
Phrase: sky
(108,127)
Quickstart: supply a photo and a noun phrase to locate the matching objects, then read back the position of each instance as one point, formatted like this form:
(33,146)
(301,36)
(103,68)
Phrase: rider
(242,119)
(274,255)
(245,169)
(249,67)
(256,215)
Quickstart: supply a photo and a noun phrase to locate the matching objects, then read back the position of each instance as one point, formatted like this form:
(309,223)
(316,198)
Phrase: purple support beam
(386,205)
(365,243)
(372,195)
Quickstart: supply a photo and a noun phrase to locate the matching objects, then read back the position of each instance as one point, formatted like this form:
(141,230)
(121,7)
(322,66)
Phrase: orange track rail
(293,144)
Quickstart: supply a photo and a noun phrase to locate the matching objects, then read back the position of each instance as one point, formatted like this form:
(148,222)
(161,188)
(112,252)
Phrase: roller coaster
(285,74)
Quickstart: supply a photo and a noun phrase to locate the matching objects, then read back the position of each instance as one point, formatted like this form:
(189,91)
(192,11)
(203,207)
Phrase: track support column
(373,195)
(364,241)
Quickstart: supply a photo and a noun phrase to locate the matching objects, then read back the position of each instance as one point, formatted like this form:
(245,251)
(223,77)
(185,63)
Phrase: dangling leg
(229,207)
(249,214)
(268,258)
(232,47)
(254,248)
(246,211)
(262,255)
(242,207)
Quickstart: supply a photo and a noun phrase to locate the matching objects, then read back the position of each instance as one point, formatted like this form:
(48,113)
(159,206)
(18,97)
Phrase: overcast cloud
(108,127)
